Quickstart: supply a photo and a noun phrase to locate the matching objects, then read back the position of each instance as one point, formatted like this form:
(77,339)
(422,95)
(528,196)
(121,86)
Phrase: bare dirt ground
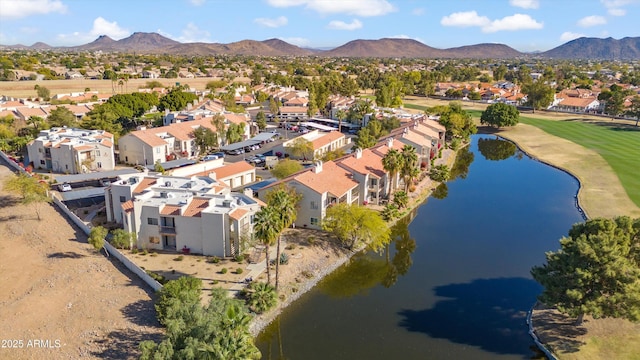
(55,288)
(25,89)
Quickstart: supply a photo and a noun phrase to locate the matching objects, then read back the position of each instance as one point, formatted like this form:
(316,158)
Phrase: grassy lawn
(618,145)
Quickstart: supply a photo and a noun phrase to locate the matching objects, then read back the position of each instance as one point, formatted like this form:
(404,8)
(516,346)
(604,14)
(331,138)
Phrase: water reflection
(496,149)
(440,192)
(460,168)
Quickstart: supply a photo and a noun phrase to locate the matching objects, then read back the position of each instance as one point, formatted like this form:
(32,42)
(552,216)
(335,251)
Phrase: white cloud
(29,30)
(272,23)
(614,7)
(341,25)
(465,19)
(514,22)
(418,11)
(298,41)
(617,12)
(197,2)
(345,7)
(100,27)
(525,4)
(568,36)
(592,20)
(189,34)
(15,9)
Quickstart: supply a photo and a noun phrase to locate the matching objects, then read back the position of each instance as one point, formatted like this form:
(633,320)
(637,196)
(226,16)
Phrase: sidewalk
(255,270)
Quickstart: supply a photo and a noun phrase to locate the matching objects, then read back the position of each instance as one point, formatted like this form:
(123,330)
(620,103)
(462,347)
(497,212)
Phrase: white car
(64,187)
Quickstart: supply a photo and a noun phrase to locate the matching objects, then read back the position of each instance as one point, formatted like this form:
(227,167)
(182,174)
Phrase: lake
(455,281)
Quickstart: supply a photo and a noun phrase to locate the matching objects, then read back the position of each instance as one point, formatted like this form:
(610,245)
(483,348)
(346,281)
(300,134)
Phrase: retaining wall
(532,332)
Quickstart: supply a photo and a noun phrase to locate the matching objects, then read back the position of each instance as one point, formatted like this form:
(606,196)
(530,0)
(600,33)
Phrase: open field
(24,89)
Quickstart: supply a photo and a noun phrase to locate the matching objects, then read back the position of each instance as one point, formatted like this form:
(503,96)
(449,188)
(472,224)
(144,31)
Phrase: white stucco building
(72,151)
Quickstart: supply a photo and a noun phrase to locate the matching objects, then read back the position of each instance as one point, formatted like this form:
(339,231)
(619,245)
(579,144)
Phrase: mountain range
(627,48)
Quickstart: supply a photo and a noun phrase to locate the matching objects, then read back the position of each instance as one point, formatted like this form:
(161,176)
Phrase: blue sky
(525,25)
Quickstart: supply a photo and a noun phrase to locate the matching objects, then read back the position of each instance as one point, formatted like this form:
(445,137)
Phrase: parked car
(105,182)
(219,154)
(235,152)
(209,157)
(64,187)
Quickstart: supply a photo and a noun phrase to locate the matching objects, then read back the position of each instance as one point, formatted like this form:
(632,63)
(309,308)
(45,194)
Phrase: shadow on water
(487,313)
(496,149)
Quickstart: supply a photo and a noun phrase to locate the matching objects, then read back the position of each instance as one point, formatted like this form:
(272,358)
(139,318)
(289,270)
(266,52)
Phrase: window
(157,150)
(314,221)
(41,162)
(152,221)
(123,199)
(99,164)
(97,152)
(314,205)
(154,240)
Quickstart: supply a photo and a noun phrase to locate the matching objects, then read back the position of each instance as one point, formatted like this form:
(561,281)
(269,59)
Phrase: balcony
(167,230)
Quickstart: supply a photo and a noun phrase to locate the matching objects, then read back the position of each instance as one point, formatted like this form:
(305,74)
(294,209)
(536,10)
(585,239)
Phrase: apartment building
(72,151)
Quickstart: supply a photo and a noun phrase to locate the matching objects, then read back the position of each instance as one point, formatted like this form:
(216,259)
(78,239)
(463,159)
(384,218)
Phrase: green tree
(392,162)
(283,200)
(439,173)
(409,169)
(539,95)
(261,120)
(183,292)
(364,139)
(205,139)
(499,115)
(301,148)
(400,199)
(96,237)
(176,100)
(122,239)
(340,115)
(265,228)
(354,224)
(260,296)
(31,191)
(596,272)
(285,168)
(157,167)
(61,116)
(634,109)
(274,107)
(457,121)
(235,133)
(43,92)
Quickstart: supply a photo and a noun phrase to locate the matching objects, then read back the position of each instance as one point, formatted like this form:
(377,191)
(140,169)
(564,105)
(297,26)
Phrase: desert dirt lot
(26,88)
(56,288)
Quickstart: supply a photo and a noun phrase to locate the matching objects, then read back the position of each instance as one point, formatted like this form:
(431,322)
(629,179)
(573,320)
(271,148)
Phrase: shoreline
(423,189)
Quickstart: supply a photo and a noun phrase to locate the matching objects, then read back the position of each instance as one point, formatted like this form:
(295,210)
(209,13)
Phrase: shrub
(223,271)
(290,247)
(308,274)
(439,173)
(238,258)
(311,240)
(260,296)
(213,260)
(134,250)
(153,253)
(157,277)
(239,271)
(389,212)
(284,259)
(179,258)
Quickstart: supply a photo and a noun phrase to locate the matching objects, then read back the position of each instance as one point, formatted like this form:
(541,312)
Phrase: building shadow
(486,313)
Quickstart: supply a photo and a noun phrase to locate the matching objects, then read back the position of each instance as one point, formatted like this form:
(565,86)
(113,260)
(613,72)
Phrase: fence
(532,332)
(87,230)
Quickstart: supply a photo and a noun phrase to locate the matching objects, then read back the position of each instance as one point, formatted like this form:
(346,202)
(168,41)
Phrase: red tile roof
(196,207)
(144,184)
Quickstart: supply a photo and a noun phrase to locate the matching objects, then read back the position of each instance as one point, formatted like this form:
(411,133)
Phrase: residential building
(320,186)
(321,142)
(72,151)
(367,169)
(175,214)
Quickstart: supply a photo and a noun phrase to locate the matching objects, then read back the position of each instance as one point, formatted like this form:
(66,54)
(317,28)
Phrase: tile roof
(144,184)
(196,207)
(326,139)
(171,210)
(332,179)
(577,102)
(235,118)
(127,205)
(369,163)
(237,214)
(232,169)
(293,109)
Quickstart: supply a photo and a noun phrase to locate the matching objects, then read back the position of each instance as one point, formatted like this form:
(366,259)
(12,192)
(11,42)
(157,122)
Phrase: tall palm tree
(392,163)
(265,227)
(341,115)
(283,201)
(409,165)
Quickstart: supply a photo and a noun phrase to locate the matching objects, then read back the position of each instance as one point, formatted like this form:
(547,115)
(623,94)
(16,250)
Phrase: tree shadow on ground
(141,312)
(9,200)
(66,255)
(486,313)
(123,344)
(558,330)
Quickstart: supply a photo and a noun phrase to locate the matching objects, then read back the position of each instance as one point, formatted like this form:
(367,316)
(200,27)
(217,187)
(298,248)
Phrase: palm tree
(265,228)
(283,201)
(341,115)
(409,167)
(392,163)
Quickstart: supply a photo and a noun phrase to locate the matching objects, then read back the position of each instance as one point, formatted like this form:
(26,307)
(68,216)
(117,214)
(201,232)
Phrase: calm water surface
(455,283)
